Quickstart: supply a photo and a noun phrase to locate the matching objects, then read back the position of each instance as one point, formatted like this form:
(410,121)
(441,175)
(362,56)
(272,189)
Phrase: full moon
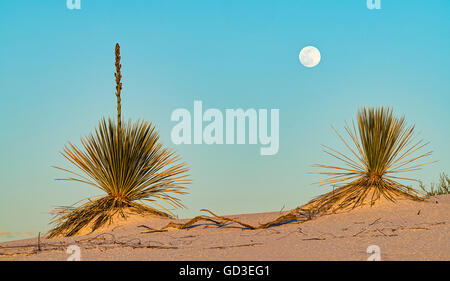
(309,56)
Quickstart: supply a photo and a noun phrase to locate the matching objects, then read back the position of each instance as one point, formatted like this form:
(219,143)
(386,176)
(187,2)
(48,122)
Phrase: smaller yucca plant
(383,145)
(443,187)
(129,164)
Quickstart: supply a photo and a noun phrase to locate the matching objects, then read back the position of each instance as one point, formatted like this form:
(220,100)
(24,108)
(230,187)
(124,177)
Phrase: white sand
(406,230)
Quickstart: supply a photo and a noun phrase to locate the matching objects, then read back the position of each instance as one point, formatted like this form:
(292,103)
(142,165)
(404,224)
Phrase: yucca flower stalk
(129,164)
(383,145)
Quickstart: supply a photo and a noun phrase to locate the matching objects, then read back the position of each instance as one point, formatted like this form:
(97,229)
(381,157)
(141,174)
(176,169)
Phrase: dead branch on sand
(298,215)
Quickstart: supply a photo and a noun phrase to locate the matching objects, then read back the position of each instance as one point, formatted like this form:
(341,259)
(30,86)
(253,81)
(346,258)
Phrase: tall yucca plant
(383,145)
(129,164)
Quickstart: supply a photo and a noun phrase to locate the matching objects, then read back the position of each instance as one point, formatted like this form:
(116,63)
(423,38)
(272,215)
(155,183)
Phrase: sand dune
(406,230)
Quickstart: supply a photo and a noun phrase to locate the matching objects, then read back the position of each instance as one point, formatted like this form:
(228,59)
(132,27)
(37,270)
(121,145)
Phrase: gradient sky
(56,82)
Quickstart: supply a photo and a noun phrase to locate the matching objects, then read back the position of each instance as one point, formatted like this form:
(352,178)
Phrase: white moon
(309,56)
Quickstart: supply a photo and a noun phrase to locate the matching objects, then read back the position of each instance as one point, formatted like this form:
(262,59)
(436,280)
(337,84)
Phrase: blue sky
(56,82)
